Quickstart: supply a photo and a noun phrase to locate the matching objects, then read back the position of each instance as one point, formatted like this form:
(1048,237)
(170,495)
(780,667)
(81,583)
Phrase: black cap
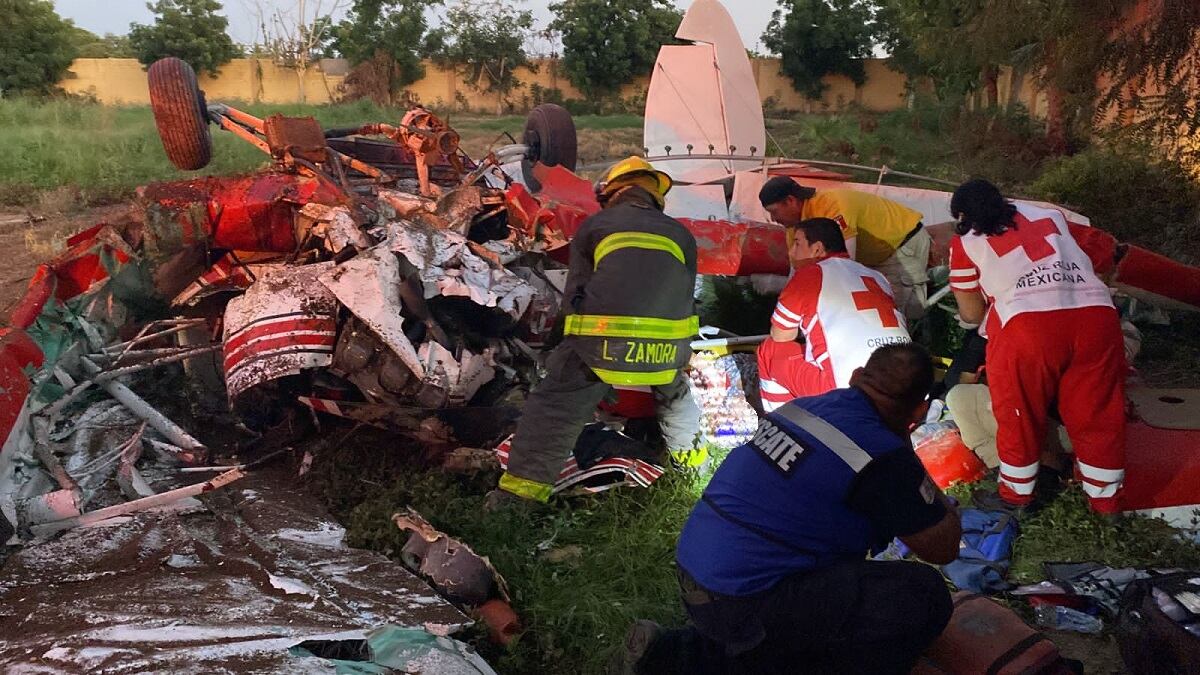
(780,187)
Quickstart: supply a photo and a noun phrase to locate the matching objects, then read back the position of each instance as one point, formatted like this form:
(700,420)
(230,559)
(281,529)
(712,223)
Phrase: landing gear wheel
(550,135)
(180,113)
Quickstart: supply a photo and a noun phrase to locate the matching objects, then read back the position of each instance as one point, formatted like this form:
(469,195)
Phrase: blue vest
(778,504)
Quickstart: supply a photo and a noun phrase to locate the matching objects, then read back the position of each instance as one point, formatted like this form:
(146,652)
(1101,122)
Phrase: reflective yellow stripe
(655,242)
(692,458)
(523,487)
(647,379)
(598,325)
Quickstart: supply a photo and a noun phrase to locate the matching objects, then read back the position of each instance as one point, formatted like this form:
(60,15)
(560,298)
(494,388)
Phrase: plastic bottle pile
(723,387)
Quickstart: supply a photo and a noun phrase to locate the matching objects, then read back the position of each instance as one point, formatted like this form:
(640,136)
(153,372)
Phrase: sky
(114,16)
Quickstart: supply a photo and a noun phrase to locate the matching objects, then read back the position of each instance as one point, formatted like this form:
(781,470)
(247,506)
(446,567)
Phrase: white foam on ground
(329,535)
(292,586)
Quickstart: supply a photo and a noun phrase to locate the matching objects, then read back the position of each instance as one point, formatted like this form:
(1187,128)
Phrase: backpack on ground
(1158,624)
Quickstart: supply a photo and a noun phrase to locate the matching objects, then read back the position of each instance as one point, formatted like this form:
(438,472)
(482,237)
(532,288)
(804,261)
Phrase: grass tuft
(106,152)
(575,610)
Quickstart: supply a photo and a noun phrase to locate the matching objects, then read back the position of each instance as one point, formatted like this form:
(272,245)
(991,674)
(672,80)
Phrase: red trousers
(784,374)
(1074,359)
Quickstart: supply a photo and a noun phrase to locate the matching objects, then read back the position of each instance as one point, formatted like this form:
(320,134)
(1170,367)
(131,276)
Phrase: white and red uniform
(845,311)
(1053,338)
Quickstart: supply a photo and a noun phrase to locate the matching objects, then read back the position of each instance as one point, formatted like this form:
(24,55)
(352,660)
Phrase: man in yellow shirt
(880,233)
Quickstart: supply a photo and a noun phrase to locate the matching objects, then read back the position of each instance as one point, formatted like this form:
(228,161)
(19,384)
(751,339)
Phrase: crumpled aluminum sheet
(336,226)
(460,378)
(369,286)
(448,267)
(229,588)
(284,323)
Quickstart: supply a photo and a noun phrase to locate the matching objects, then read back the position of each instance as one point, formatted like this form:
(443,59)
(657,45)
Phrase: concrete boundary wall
(123,82)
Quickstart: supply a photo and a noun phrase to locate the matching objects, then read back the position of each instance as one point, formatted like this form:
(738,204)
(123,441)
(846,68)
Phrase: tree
(815,38)
(1152,67)
(189,29)
(1062,41)
(92,46)
(297,37)
(485,41)
(925,38)
(1066,43)
(607,43)
(36,46)
(383,40)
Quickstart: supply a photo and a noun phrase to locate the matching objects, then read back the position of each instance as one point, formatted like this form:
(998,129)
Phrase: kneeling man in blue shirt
(773,559)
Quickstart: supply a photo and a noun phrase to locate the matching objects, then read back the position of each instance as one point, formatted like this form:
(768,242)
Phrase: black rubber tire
(180,113)
(550,135)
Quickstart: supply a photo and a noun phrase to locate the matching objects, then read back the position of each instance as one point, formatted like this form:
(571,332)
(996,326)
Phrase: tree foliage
(926,38)
(1153,67)
(36,46)
(109,46)
(815,38)
(386,38)
(1062,42)
(607,43)
(191,30)
(485,41)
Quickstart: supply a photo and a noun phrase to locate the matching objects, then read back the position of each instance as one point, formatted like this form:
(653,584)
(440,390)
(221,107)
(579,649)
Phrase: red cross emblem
(1030,235)
(877,299)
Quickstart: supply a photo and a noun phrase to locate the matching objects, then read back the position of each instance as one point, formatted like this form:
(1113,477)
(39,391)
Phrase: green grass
(1170,356)
(515,123)
(1066,530)
(931,140)
(575,612)
(103,153)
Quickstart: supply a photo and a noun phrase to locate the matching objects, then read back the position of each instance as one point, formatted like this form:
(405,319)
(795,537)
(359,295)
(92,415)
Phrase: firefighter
(1054,338)
(844,309)
(772,561)
(629,321)
(880,233)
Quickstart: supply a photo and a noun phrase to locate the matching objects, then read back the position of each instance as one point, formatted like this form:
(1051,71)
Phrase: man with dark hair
(844,309)
(880,233)
(772,560)
(1054,340)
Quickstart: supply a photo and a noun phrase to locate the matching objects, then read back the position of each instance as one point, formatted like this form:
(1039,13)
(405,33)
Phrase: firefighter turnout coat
(628,302)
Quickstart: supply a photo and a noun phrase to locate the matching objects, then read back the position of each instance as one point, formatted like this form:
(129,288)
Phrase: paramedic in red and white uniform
(1053,338)
(845,310)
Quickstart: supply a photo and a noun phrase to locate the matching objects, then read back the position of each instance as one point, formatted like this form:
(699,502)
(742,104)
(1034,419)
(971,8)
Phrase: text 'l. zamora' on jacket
(628,304)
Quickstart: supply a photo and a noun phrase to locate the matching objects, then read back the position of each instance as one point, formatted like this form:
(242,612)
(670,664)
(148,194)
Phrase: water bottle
(1065,618)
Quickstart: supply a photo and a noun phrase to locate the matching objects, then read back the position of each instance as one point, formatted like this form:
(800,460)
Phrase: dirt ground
(31,236)
(1098,654)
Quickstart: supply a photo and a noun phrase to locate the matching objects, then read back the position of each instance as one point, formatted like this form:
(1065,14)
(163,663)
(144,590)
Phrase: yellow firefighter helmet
(628,168)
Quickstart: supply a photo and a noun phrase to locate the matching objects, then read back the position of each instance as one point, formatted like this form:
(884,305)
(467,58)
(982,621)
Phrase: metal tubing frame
(883,171)
(229,124)
(243,118)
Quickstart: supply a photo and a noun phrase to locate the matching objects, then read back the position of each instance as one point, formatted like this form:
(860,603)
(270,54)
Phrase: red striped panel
(636,471)
(259,349)
(321,405)
(289,322)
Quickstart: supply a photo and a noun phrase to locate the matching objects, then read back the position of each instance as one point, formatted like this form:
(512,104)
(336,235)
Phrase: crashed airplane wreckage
(379,274)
